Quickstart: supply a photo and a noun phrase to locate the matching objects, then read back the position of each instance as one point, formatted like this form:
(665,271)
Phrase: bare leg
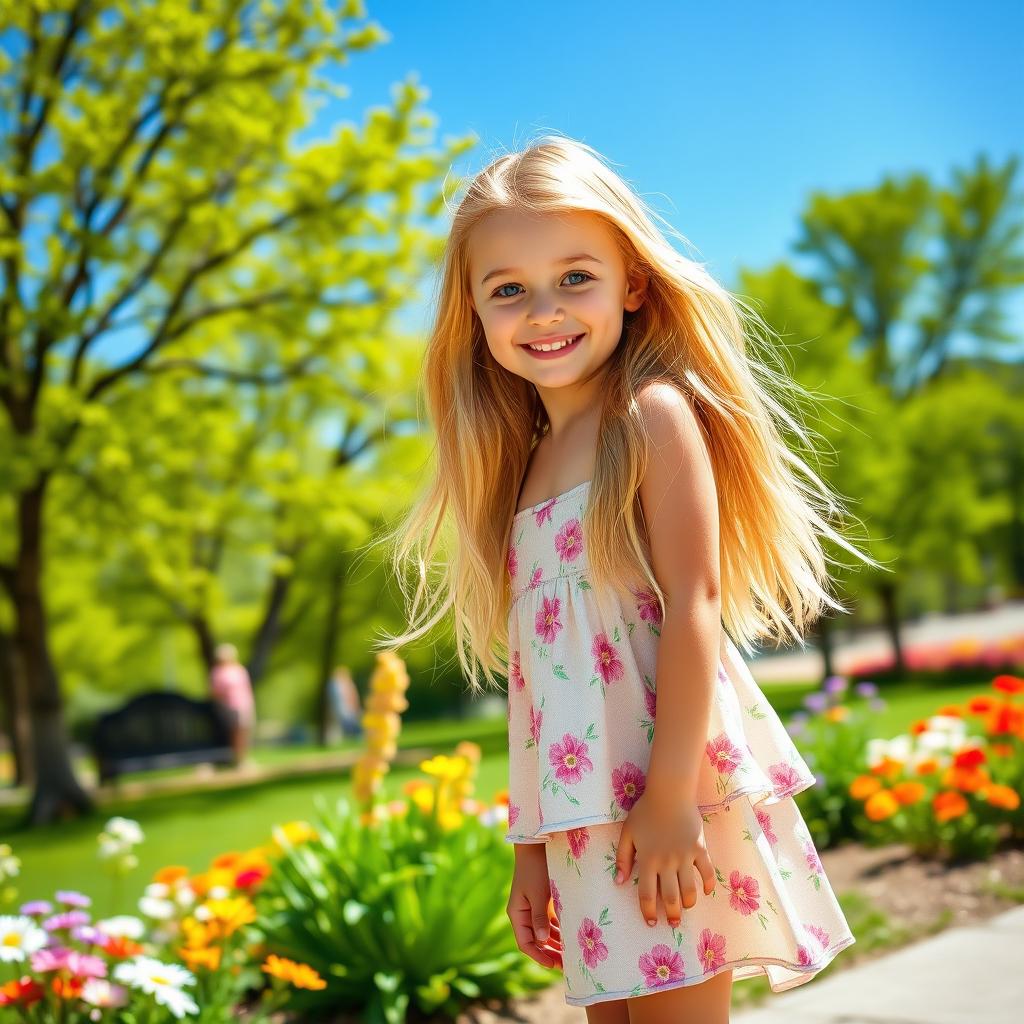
(611,1011)
(704,1003)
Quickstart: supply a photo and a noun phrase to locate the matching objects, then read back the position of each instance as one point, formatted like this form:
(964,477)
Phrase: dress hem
(805,973)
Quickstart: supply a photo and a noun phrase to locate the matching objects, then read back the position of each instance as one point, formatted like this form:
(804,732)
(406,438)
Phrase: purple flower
(68,919)
(72,898)
(816,701)
(866,689)
(90,935)
(819,780)
(835,684)
(878,704)
(796,726)
(35,907)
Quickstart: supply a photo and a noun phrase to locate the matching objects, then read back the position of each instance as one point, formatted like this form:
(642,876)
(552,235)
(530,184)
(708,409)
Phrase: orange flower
(1008,684)
(918,727)
(205,956)
(888,767)
(927,765)
(170,874)
(864,785)
(501,797)
(981,705)
(969,757)
(837,714)
(908,792)
(68,988)
(948,805)
(1002,796)
(225,860)
(23,992)
(881,805)
(970,780)
(299,975)
(952,710)
(1005,718)
(1002,749)
(120,947)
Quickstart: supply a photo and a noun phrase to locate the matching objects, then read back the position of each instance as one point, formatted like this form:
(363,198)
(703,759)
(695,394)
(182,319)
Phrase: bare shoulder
(669,418)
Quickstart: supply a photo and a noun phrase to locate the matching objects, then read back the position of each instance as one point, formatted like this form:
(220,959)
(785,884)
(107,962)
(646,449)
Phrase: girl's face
(535,279)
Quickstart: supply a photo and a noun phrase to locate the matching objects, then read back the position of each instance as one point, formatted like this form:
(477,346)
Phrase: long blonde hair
(689,332)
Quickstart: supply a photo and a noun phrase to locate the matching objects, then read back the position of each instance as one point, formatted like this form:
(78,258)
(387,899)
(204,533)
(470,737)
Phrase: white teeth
(553,348)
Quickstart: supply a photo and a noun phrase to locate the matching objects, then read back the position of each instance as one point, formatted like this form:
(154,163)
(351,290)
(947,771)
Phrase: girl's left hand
(667,835)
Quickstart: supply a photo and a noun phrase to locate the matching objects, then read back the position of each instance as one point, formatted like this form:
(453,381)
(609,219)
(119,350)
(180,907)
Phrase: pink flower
(813,860)
(724,754)
(68,919)
(547,624)
(543,514)
(819,933)
(578,839)
(512,562)
(556,898)
(34,907)
(661,966)
(650,701)
(628,783)
(648,607)
(535,579)
(803,957)
(711,950)
(569,541)
(535,720)
(513,813)
(515,671)
(606,658)
(743,893)
(784,778)
(589,938)
(73,898)
(59,958)
(765,821)
(569,759)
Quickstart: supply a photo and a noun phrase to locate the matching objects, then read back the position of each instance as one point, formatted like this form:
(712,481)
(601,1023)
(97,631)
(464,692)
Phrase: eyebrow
(568,259)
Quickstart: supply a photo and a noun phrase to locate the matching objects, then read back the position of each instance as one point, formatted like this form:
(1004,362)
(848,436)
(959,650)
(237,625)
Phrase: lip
(550,341)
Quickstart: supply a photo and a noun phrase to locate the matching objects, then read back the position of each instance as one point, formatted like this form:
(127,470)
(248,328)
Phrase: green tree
(150,189)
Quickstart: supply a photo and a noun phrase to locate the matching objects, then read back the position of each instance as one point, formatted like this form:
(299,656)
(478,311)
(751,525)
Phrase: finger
(668,881)
(624,857)
(688,887)
(647,892)
(522,928)
(707,871)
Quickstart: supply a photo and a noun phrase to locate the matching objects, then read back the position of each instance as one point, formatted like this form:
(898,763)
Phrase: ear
(636,293)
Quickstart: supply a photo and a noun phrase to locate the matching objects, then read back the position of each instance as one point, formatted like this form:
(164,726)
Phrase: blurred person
(231,687)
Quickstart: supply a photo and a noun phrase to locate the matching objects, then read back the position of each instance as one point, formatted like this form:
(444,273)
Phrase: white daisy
(100,992)
(159,910)
(19,936)
(122,926)
(160,980)
(125,829)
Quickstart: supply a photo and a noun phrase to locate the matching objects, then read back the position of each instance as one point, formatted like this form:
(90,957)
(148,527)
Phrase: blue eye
(496,295)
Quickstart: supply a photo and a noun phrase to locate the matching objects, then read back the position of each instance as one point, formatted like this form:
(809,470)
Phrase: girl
(624,510)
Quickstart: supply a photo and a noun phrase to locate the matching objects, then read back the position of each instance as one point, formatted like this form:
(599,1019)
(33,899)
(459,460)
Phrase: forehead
(510,238)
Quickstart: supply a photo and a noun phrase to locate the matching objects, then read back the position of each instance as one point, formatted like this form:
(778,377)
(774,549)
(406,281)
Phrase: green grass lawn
(192,828)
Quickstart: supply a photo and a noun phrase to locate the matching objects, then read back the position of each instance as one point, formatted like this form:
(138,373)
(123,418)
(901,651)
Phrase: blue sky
(724,116)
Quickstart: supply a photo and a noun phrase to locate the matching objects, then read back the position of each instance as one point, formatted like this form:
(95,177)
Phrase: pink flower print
(569,541)
(579,839)
(650,701)
(589,938)
(765,821)
(606,658)
(536,578)
(784,778)
(543,514)
(819,933)
(513,813)
(648,607)
(512,562)
(711,950)
(724,754)
(548,624)
(535,720)
(569,759)
(628,783)
(813,860)
(661,966)
(803,957)
(515,671)
(743,893)
(556,897)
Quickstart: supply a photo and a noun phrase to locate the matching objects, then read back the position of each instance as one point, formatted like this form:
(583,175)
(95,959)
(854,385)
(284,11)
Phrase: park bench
(161,729)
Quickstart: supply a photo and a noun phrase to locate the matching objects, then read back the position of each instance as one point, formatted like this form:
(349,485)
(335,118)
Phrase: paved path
(965,975)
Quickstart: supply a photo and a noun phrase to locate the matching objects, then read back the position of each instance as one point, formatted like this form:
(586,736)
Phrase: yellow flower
(231,914)
(201,956)
(443,767)
(837,714)
(299,975)
(881,805)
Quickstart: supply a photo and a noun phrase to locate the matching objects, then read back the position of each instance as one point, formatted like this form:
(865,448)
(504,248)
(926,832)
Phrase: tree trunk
(826,642)
(58,793)
(14,698)
(890,610)
(329,652)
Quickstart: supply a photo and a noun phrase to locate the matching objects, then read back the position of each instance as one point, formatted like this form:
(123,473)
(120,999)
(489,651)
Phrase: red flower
(1008,684)
(969,757)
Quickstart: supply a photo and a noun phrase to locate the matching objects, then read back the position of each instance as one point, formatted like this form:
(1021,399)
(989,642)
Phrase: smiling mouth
(560,346)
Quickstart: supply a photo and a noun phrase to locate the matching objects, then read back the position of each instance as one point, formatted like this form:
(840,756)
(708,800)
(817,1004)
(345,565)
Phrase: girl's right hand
(536,930)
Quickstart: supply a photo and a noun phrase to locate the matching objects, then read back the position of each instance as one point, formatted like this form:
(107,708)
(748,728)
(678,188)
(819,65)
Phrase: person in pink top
(230,687)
